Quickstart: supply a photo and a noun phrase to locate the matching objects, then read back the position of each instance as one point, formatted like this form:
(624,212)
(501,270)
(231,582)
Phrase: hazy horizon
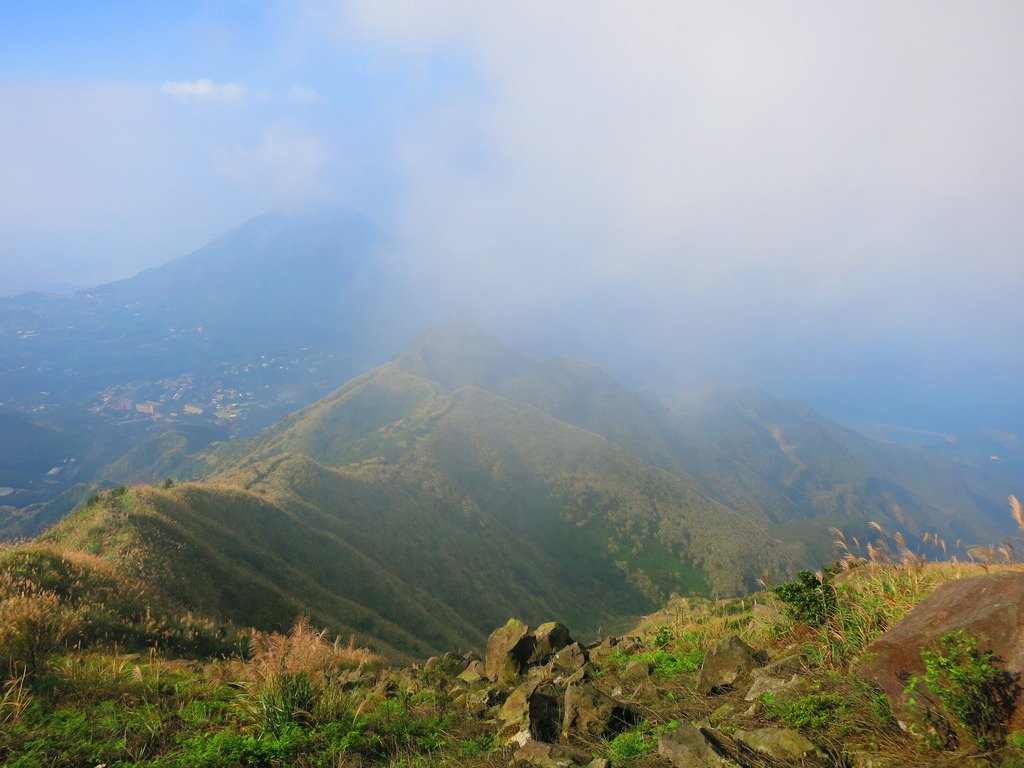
(821,199)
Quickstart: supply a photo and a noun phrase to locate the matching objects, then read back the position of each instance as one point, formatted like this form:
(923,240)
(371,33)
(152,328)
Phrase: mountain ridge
(468,476)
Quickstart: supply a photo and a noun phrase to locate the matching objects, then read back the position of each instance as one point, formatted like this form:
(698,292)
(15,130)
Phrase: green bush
(663,637)
(809,600)
(961,688)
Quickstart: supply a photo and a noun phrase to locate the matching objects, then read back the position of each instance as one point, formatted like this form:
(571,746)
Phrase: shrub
(663,637)
(811,599)
(961,688)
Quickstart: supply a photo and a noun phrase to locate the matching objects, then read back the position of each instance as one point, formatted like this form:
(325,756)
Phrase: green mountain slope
(777,461)
(235,556)
(427,500)
(418,517)
(802,473)
(495,454)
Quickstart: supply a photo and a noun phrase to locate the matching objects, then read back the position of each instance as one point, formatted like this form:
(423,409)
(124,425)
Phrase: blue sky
(227,108)
(817,196)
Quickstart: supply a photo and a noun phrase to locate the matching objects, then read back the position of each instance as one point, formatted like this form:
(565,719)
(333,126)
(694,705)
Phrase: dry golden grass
(33,625)
(303,650)
(14,699)
(1017,510)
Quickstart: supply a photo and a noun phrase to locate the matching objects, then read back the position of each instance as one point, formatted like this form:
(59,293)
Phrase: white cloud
(732,185)
(109,178)
(204,89)
(707,142)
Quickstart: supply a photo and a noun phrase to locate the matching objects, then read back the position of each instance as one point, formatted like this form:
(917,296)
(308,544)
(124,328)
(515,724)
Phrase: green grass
(668,654)
(282,705)
(630,746)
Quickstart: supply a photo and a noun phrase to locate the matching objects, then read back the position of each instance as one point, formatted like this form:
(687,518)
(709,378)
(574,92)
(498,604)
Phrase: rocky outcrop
(989,609)
(551,704)
(548,639)
(727,666)
(551,707)
(508,650)
(591,714)
(513,649)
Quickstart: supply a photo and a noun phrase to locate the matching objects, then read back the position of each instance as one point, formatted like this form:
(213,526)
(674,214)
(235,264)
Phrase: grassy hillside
(487,508)
(96,667)
(803,474)
(426,501)
(53,596)
(238,557)
(536,475)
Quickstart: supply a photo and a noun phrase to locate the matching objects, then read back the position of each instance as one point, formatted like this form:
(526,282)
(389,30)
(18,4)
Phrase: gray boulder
(727,666)
(591,714)
(508,649)
(689,747)
(777,743)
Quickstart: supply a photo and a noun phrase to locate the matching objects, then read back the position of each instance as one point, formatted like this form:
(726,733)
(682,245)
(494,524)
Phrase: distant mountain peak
(307,214)
(460,353)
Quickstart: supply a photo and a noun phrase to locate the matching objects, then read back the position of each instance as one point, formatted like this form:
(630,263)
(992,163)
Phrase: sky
(821,197)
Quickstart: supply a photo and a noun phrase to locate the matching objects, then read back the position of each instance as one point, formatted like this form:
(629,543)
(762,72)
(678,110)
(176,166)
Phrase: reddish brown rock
(988,608)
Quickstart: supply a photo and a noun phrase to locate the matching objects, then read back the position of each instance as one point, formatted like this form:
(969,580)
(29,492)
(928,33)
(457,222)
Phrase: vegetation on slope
(301,698)
(533,473)
(239,557)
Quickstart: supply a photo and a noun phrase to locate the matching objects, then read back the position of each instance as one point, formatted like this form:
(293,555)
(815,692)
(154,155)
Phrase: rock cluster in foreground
(552,702)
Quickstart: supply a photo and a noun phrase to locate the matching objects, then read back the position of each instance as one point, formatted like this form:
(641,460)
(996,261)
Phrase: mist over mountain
(279,311)
(307,276)
(335,334)
(220,342)
(464,480)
